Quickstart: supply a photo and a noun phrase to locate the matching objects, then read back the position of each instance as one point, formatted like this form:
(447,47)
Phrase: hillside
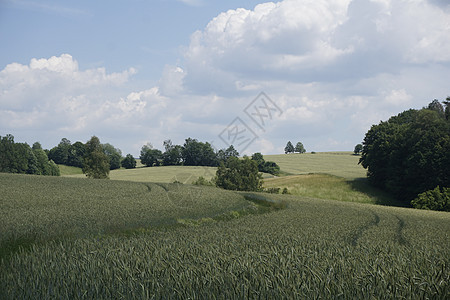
(342,164)
(103,238)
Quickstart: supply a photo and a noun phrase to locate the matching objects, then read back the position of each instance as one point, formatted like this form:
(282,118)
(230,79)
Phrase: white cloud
(333,67)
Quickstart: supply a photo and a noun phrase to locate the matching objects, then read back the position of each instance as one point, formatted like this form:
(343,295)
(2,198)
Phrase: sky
(254,74)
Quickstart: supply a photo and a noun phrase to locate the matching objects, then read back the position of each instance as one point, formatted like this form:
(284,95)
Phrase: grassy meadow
(166,174)
(144,237)
(342,164)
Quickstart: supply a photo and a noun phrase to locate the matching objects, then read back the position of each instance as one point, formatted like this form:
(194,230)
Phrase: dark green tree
(96,162)
(358,149)
(150,157)
(172,155)
(224,154)
(76,154)
(43,163)
(196,153)
(437,107)
(114,155)
(436,199)
(60,153)
(239,175)
(36,146)
(265,166)
(299,148)
(408,154)
(289,148)
(447,108)
(129,162)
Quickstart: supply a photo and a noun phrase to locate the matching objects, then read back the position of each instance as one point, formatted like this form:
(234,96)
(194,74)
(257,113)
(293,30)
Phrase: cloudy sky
(250,73)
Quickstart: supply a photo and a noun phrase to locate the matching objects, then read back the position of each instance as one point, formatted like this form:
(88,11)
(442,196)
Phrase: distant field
(342,164)
(167,174)
(72,238)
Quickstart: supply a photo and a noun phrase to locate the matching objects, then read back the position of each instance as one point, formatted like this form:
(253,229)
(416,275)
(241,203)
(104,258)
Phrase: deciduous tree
(289,148)
(96,162)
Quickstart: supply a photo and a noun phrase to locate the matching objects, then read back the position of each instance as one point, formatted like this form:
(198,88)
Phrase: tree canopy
(289,148)
(150,157)
(21,158)
(239,175)
(96,162)
(266,166)
(129,162)
(410,153)
(299,148)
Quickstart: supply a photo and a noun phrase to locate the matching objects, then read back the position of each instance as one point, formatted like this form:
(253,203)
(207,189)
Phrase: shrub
(129,162)
(436,199)
(202,181)
(239,175)
(272,190)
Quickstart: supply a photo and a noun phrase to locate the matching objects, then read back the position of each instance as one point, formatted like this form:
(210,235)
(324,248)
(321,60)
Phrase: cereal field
(84,239)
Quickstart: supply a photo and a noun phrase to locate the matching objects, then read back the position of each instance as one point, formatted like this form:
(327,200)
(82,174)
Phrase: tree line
(409,156)
(196,153)
(299,148)
(97,159)
(23,159)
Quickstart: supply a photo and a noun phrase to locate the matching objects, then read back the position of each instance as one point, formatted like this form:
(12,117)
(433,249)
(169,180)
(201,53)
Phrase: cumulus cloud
(308,41)
(333,67)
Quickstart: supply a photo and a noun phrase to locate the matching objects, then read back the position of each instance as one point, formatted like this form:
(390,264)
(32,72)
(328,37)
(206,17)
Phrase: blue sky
(137,72)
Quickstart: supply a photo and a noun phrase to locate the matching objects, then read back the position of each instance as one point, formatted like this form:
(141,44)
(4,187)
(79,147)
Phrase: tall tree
(289,148)
(129,162)
(447,108)
(239,175)
(172,155)
(96,162)
(358,149)
(114,155)
(265,166)
(299,148)
(196,153)
(76,154)
(60,153)
(150,157)
(408,154)
(224,154)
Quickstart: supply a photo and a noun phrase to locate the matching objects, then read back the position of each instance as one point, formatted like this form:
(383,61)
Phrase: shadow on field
(381,197)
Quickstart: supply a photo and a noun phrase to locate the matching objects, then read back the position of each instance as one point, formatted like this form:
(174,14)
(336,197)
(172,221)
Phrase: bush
(129,162)
(272,190)
(202,181)
(436,199)
(285,191)
(239,175)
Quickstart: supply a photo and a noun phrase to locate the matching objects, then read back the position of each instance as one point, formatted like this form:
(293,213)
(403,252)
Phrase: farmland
(342,164)
(81,238)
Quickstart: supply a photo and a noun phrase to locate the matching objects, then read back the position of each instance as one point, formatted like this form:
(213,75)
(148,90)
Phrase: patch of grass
(68,170)
(324,186)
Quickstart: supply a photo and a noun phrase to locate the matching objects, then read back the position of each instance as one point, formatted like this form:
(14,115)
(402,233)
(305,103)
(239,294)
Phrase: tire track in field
(399,237)
(360,231)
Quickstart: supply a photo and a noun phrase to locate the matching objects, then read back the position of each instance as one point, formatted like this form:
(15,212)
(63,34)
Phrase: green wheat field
(141,236)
